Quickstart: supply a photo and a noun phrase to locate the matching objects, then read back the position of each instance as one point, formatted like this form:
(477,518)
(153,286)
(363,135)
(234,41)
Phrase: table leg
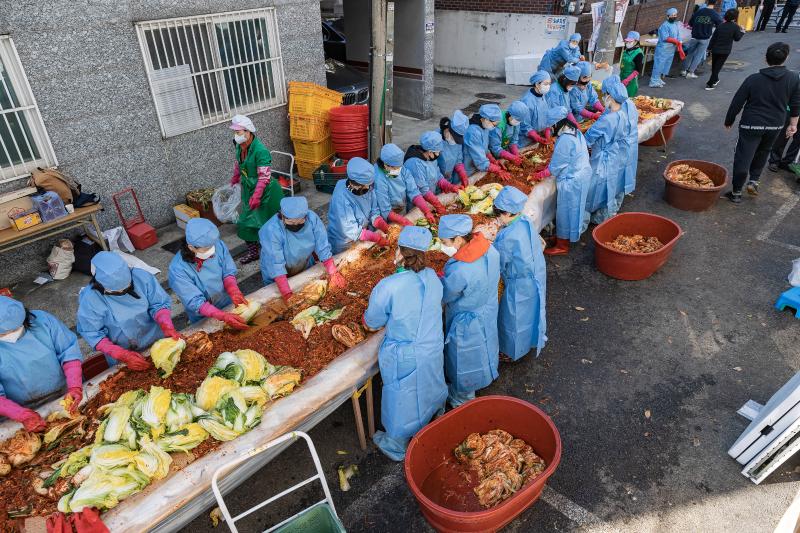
(362,440)
(370,410)
(99,232)
(663,139)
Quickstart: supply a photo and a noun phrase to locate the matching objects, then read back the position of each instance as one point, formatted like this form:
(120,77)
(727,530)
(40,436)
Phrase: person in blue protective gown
(122,311)
(476,141)
(394,189)
(39,357)
(566,52)
(605,140)
(629,142)
(559,95)
(451,159)
(668,40)
(536,126)
(203,275)
(409,305)
(573,172)
(291,241)
(470,283)
(421,167)
(354,209)
(504,139)
(522,318)
(583,98)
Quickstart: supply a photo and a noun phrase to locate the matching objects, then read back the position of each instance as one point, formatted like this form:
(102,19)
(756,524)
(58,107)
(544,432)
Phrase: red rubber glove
(335,277)
(446,186)
(514,149)
(27,417)
(283,286)
(572,119)
(380,224)
(133,359)
(255,200)
(73,373)
(394,218)
(535,137)
(237,174)
(491,158)
(505,176)
(373,236)
(419,202)
(164,320)
(234,321)
(548,136)
(87,521)
(508,156)
(630,78)
(431,199)
(542,174)
(461,170)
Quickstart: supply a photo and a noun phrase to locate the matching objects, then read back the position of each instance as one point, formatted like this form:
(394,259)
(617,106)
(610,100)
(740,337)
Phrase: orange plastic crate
(310,100)
(313,151)
(308,128)
(305,169)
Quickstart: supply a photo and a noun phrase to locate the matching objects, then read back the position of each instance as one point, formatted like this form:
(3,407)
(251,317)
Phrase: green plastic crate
(316,519)
(325,180)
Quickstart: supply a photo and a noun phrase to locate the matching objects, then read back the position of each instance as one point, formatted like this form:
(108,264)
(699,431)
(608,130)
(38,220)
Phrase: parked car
(334,42)
(345,79)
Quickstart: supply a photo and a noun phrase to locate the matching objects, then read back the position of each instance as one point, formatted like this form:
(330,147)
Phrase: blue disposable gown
(501,138)
(127,321)
(580,99)
(286,253)
(348,214)
(449,157)
(555,58)
(662,59)
(30,369)
(471,344)
(422,173)
(603,138)
(558,96)
(630,144)
(522,318)
(476,144)
(537,106)
(393,193)
(573,172)
(195,288)
(409,306)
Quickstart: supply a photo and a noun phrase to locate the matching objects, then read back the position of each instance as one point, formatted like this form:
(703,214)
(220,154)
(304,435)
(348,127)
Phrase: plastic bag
(226,202)
(794,276)
(60,259)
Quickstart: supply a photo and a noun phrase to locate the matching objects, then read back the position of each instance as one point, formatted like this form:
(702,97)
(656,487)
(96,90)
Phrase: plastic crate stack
(309,125)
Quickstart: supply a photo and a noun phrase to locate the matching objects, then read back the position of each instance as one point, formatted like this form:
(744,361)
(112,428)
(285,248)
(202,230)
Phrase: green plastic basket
(325,180)
(316,519)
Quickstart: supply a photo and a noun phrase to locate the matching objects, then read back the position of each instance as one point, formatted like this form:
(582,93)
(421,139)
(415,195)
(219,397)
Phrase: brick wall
(642,17)
(536,7)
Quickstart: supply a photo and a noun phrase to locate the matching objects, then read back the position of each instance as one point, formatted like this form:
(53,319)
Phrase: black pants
(787,15)
(776,156)
(717,62)
(752,151)
(766,13)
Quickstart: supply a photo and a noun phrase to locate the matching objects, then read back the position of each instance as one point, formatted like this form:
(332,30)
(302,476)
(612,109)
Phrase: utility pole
(607,37)
(388,94)
(377,65)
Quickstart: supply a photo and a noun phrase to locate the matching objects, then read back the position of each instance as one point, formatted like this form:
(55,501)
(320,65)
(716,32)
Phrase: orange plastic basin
(434,444)
(668,129)
(688,198)
(632,267)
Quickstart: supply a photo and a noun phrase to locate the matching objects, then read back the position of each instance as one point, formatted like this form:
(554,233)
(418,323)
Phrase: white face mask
(544,89)
(13,336)
(607,100)
(450,141)
(513,122)
(239,139)
(208,254)
(573,45)
(450,251)
(570,87)
(487,125)
(394,171)
(630,44)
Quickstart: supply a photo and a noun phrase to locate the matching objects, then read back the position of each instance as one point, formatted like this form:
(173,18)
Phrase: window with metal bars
(203,70)
(24,143)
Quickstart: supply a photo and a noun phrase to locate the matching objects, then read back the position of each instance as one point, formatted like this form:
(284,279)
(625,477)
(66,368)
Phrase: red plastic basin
(350,154)
(669,130)
(691,199)
(435,443)
(632,267)
(349,111)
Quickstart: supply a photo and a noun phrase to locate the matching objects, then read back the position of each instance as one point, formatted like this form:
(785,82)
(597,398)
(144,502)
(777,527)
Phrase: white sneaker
(683,73)
(691,75)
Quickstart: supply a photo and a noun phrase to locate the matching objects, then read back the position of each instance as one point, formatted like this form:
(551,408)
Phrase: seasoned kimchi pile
(650,107)
(690,176)
(635,244)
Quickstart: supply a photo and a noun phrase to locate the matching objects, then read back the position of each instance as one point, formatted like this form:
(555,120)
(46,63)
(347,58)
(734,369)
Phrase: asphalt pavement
(642,379)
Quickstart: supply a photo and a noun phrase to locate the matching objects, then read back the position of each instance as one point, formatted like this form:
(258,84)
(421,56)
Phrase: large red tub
(627,266)
(434,444)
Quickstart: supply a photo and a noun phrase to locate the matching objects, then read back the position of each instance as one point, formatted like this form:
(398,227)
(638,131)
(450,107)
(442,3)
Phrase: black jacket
(765,97)
(722,40)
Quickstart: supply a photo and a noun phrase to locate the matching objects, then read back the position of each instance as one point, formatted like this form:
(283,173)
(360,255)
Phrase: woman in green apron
(632,63)
(261,195)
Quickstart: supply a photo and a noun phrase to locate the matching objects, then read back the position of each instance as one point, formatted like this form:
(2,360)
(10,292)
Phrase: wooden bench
(83,217)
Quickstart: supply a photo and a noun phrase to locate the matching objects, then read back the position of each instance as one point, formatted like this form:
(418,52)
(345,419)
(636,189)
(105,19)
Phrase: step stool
(790,298)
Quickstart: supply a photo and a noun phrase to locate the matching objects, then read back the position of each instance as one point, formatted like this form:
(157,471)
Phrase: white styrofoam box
(520,67)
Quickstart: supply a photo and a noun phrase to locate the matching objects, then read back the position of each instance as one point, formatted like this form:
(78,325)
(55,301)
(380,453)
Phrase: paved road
(690,345)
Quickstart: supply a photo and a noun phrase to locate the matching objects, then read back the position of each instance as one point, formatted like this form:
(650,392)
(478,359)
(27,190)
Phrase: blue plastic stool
(790,298)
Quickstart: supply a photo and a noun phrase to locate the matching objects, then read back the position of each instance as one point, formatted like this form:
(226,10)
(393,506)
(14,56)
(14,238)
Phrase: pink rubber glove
(229,282)
(394,218)
(133,359)
(491,158)
(283,285)
(548,135)
(585,113)
(419,202)
(535,137)
(255,200)
(73,373)
(164,320)
(508,156)
(495,168)
(334,276)
(237,174)
(514,149)
(446,186)
(234,321)
(630,78)
(380,224)
(27,417)
(542,174)
(598,106)
(461,170)
(373,236)
(572,119)
(431,199)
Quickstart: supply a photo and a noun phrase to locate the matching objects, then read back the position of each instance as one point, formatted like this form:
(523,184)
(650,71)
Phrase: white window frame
(27,110)
(215,87)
